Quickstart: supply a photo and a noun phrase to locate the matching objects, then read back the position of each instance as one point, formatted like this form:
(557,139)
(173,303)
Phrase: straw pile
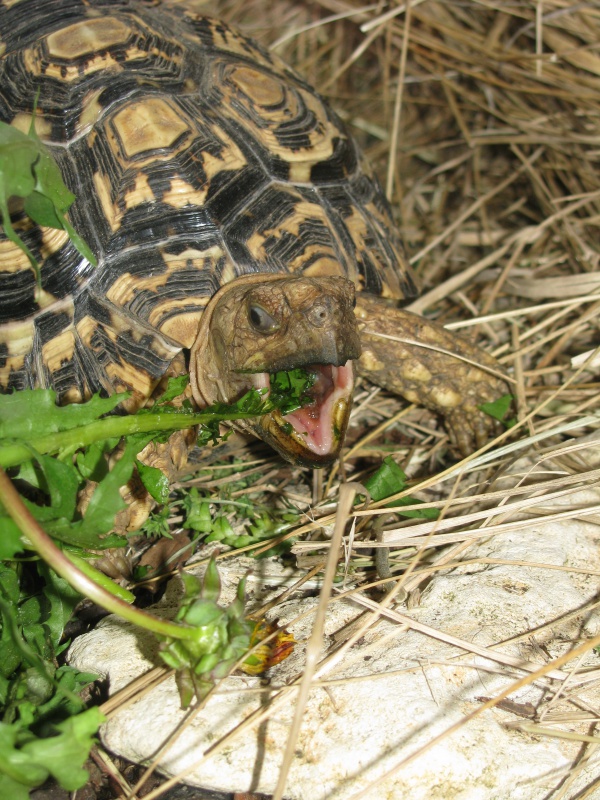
(483,120)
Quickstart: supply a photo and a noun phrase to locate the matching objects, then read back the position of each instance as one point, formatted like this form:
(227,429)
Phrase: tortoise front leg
(397,354)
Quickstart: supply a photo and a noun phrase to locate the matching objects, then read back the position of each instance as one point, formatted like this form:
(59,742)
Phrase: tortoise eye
(261,320)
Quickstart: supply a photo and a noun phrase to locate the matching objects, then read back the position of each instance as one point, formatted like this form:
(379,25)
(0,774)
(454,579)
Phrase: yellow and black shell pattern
(195,156)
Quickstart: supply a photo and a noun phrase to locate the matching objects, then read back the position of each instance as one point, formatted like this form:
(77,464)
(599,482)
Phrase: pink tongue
(308,418)
(315,422)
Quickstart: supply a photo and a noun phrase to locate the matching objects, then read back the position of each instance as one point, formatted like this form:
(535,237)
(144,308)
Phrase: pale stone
(393,692)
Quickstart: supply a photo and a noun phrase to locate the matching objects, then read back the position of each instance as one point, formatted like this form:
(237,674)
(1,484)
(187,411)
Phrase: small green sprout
(221,635)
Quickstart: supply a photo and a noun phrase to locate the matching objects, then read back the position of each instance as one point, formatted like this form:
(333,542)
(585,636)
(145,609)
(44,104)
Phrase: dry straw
(483,120)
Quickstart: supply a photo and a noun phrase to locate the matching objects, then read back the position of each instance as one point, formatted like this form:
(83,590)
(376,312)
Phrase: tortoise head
(261,324)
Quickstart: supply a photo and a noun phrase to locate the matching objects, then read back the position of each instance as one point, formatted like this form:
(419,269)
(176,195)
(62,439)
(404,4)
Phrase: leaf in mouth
(290,389)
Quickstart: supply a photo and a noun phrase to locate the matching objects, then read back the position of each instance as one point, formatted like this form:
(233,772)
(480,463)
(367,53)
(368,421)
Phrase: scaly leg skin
(440,381)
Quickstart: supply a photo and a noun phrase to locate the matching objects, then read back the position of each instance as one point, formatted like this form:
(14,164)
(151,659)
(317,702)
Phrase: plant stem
(110,427)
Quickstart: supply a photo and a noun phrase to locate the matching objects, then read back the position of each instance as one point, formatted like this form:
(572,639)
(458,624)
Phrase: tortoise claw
(471,430)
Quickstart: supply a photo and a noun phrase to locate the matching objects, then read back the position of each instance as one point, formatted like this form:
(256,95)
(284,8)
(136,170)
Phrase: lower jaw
(292,446)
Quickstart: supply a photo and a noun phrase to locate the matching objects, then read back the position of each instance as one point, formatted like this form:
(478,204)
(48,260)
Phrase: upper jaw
(302,346)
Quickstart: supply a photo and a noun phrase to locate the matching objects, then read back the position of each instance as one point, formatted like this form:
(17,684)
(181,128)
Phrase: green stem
(39,540)
(110,427)
(99,578)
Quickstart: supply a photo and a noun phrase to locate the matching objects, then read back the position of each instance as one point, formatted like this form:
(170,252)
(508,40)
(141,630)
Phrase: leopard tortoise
(233,218)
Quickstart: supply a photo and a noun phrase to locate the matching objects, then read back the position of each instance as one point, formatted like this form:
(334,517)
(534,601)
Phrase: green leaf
(157,524)
(203,613)
(155,481)
(391,479)
(92,462)
(221,531)
(16,765)
(49,182)
(175,387)
(61,482)
(83,536)
(30,611)
(61,599)
(28,760)
(66,700)
(192,587)
(40,686)
(197,512)
(41,210)
(9,584)
(106,501)
(13,236)
(28,171)
(18,154)
(388,480)
(31,629)
(10,652)
(33,412)
(10,538)
(79,243)
(211,584)
(65,754)
(21,648)
(243,540)
(289,389)
(499,409)
(12,788)
(51,200)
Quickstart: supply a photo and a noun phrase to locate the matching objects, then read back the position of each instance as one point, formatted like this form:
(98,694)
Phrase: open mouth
(318,426)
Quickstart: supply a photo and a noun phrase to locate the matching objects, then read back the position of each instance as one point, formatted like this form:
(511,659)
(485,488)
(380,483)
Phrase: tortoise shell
(196,157)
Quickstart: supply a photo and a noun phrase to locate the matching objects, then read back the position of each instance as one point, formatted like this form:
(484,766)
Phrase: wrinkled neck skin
(262,324)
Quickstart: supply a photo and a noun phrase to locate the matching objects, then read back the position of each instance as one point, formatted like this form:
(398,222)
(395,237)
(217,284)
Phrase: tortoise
(238,229)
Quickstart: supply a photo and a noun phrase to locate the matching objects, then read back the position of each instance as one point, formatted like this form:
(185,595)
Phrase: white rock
(392,693)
